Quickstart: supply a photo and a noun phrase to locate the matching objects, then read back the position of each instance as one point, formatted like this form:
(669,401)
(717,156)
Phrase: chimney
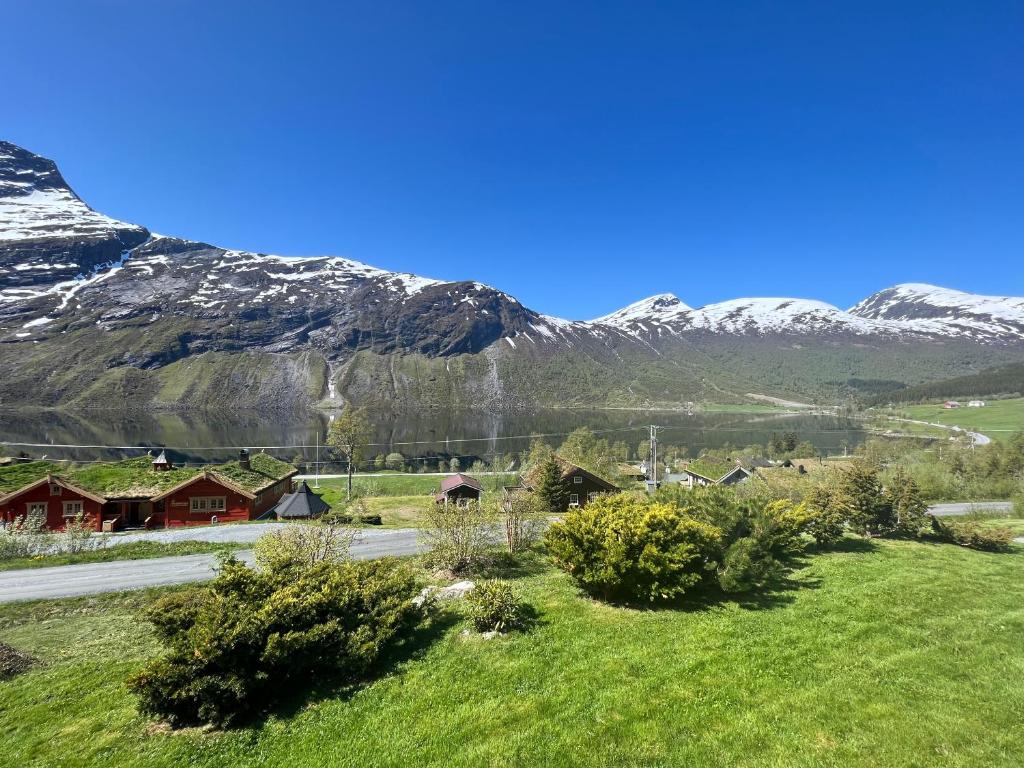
(243,459)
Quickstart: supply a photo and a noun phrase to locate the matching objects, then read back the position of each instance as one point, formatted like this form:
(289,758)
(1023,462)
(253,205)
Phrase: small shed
(301,505)
(459,489)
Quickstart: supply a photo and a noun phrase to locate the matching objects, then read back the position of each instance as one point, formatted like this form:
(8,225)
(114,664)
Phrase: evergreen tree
(550,489)
(869,507)
(908,508)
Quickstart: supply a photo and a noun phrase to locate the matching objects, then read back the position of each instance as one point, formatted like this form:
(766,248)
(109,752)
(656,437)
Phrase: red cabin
(56,498)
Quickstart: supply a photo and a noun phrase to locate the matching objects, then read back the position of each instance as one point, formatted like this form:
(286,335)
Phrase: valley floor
(887,653)
(999,419)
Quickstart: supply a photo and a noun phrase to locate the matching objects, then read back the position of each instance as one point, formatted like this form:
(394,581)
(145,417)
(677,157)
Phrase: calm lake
(202,438)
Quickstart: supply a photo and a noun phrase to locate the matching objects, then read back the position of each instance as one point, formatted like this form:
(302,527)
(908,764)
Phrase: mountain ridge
(298,331)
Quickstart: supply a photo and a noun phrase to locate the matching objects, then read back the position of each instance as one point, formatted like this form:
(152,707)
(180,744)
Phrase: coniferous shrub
(974,535)
(252,637)
(621,547)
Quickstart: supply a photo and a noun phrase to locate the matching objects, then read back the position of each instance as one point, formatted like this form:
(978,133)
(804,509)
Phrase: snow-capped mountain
(983,318)
(95,311)
(906,311)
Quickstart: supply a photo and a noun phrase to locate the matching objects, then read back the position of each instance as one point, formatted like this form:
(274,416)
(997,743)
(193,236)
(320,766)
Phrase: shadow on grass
(414,647)
(509,567)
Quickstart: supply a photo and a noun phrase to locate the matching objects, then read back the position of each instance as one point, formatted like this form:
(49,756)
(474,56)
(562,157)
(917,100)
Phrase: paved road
(966,507)
(93,578)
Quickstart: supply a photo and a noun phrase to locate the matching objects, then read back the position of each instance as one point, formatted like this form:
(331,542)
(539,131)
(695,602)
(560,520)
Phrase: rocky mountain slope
(95,312)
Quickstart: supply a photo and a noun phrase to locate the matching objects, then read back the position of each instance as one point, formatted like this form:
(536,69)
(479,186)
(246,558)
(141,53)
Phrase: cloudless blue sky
(578,155)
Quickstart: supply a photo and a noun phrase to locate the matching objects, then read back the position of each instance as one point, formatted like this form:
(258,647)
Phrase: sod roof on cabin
(711,469)
(136,478)
(17,475)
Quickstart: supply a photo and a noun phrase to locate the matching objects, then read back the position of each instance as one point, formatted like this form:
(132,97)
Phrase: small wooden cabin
(581,486)
(459,489)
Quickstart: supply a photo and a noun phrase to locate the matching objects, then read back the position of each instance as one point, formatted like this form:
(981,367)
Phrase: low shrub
(25,536)
(622,547)
(772,531)
(458,537)
(974,535)
(495,607)
(371,519)
(301,545)
(252,637)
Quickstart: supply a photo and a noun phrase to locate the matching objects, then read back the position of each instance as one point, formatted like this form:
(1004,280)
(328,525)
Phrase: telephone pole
(652,471)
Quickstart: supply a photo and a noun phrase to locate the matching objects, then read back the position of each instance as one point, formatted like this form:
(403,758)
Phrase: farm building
(459,489)
(143,493)
(582,486)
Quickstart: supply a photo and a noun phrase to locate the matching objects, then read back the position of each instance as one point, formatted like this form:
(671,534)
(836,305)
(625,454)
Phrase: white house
(976,404)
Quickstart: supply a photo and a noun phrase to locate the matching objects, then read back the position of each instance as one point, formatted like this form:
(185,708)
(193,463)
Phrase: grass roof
(136,478)
(711,469)
(19,474)
(266,470)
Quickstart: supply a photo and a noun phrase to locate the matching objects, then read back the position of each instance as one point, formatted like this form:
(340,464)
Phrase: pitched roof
(301,504)
(55,479)
(162,458)
(531,478)
(208,475)
(136,479)
(457,480)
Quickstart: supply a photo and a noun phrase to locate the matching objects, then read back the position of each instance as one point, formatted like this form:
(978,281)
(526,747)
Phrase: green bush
(300,545)
(494,607)
(252,637)
(974,535)
(459,537)
(772,531)
(621,547)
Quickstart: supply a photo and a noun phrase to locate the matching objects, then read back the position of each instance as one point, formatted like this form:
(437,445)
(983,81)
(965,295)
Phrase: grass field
(999,419)
(399,499)
(885,654)
(137,550)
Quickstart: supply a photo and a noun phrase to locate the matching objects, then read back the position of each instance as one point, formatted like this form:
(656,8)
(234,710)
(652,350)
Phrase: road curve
(121,575)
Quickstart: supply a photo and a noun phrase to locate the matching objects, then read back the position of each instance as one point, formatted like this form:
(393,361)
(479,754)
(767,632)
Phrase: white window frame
(592,496)
(55,489)
(201,504)
(577,480)
(38,507)
(77,507)
(574,499)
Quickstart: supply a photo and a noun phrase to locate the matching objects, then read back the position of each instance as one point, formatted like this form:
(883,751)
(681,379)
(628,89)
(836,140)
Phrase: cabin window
(574,499)
(592,495)
(54,489)
(36,508)
(72,508)
(577,480)
(208,504)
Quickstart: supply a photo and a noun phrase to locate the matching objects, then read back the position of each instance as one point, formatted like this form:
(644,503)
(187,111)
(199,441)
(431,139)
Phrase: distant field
(399,499)
(406,485)
(999,419)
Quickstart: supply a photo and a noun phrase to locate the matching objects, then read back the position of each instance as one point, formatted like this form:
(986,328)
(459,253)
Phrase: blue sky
(577,155)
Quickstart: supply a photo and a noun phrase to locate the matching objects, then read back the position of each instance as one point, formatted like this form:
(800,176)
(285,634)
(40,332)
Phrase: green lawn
(999,419)
(137,550)
(399,499)
(405,484)
(891,654)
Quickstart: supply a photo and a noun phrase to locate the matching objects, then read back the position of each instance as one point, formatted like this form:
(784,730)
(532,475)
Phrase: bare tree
(350,432)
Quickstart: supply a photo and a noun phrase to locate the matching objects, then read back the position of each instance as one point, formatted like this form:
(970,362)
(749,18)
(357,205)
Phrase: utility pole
(316,481)
(652,473)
